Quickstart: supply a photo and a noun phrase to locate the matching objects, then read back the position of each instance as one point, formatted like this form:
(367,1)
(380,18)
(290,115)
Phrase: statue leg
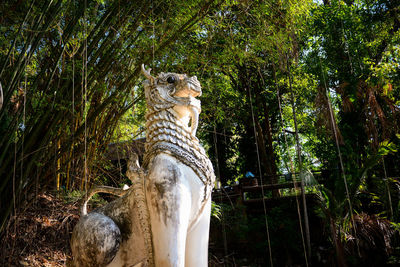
(197,240)
(169,202)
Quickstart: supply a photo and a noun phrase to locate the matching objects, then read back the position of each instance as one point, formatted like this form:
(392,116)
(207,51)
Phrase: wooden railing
(246,192)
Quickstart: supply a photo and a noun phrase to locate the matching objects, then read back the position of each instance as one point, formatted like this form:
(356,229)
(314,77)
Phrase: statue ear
(147,74)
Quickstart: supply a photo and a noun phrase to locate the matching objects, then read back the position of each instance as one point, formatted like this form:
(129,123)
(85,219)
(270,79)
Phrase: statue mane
(166,133)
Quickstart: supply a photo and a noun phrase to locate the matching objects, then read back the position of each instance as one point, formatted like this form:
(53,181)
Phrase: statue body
(163,218)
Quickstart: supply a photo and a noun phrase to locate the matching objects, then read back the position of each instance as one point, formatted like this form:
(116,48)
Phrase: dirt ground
(39,235)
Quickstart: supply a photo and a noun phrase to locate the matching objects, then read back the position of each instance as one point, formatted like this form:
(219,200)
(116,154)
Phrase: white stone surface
(164,217)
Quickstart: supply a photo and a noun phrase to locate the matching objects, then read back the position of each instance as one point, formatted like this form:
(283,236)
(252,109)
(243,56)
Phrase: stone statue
(163,218)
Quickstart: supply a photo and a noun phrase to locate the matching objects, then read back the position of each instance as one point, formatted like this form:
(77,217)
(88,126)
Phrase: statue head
(177,85)
(174,91)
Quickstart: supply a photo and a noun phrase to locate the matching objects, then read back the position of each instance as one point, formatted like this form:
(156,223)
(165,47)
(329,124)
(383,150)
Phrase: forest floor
(39,235)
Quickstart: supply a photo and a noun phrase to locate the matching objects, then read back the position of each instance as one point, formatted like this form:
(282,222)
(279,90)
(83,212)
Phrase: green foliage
(76,196)
(73,196)
(67,70)
(216,210)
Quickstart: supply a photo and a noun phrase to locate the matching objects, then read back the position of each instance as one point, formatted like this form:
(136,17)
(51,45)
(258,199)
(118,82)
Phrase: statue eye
(171,79)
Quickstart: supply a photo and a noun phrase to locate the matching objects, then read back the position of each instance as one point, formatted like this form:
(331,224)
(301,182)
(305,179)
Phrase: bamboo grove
(68,68)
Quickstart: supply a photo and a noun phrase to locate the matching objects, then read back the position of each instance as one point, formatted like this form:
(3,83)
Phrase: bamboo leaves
(78,61)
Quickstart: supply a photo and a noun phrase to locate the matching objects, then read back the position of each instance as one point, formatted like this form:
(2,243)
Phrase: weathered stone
(163,219)
(95,240)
